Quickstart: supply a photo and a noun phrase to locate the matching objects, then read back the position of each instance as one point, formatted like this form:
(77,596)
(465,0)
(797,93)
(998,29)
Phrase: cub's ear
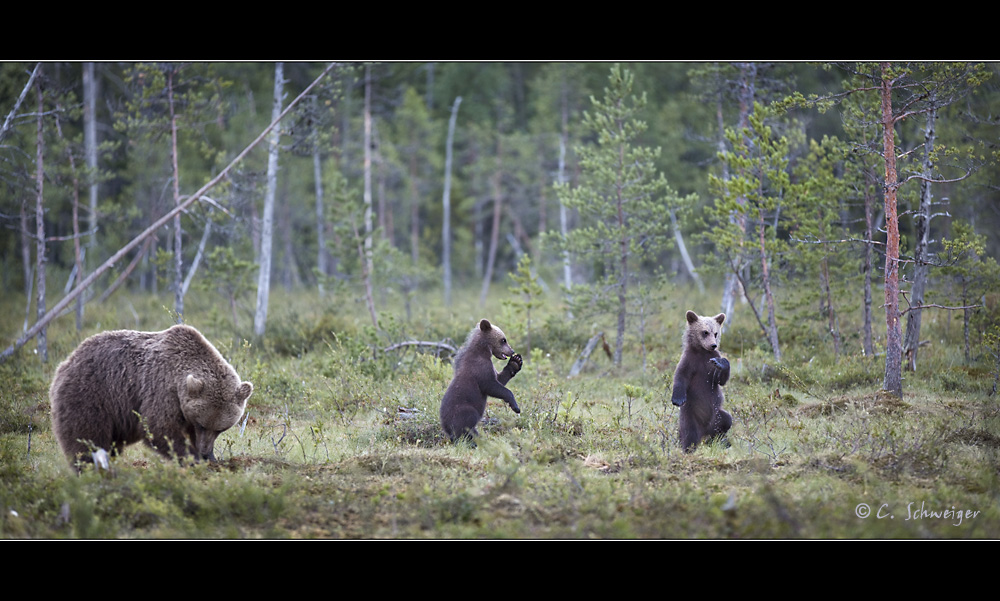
(692,317)
(485,325)
(244,392)
(721,317)
(193,384)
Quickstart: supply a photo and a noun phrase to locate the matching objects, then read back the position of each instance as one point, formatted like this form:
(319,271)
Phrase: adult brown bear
(171,389)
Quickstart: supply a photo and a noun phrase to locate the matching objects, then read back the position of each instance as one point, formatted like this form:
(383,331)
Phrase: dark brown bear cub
(475,379)
(698,382)
(184,392)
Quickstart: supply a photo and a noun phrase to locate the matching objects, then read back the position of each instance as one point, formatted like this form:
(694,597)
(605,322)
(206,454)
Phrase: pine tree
(622,199)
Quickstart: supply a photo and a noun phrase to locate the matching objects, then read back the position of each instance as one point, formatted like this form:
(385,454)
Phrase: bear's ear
(692,317)
(485,325)
(721,317)
(194,385)
(244,392)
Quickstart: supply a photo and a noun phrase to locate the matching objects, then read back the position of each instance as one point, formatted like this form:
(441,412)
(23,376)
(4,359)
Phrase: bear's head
(212,405)
(495,339)
(703,332)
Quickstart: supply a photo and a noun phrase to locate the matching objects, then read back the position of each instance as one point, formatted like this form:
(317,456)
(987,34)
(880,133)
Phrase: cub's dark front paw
(515,364)
(513,405)
(720,362)
(679,401)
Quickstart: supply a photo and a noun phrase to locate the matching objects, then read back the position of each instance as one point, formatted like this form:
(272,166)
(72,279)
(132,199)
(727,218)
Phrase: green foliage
(622,200)
(526,294)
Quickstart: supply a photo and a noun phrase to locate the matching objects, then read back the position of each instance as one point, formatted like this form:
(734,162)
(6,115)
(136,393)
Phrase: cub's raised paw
(515,364)
(719,362)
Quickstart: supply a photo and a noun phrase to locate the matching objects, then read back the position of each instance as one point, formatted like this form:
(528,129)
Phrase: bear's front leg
(719,370)
(679,395)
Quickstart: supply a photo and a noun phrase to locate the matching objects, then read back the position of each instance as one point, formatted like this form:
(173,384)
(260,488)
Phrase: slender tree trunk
(867,267)
(414,202)
(495,233)
(267,232)
(446,202)
(894,337)
(368,169)
(320,208)
(623,250)
(765,274)
(43,346)
(831,315)
(922,224)
(178,254)
(685,257)
(90,148)
(90,154)
(198,255)
(563,211)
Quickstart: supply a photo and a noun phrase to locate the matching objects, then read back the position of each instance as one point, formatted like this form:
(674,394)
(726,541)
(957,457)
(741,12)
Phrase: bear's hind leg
(721,424)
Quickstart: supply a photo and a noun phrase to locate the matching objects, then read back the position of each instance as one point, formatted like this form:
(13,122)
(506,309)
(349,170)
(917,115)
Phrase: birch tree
(267,227)
(446,205)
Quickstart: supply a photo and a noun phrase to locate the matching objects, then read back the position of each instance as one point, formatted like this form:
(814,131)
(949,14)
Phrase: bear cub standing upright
(184,392)
(698,381)
(475,379)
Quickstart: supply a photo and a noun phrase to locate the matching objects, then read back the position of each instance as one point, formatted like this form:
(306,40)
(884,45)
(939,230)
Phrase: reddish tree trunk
(894,334)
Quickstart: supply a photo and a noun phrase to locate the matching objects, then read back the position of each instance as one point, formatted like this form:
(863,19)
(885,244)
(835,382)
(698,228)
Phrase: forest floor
(342,439)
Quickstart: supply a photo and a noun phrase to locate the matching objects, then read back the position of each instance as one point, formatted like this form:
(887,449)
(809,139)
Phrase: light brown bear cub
(698,381)
(475,379)
(184,391)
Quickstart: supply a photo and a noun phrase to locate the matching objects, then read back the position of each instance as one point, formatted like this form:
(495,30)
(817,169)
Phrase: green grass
(342,440)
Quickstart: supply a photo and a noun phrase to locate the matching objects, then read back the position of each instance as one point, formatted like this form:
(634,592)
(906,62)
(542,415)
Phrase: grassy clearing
(343,441)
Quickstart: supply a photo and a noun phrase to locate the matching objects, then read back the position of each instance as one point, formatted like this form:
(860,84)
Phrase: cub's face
(497,340)
(703,332)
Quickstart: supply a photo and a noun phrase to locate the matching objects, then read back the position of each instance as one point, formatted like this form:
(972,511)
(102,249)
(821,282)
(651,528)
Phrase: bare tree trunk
(368,169)
(90,148)
(320,208)
(198,255)
(869,232)
(43,346)
(446,202)
(178,254)
(920,253)
(765,274)
(622,251)
(893,340)
(563,211)
(685,257)
(267,233)
(495,233)
(366,276)
(414,203)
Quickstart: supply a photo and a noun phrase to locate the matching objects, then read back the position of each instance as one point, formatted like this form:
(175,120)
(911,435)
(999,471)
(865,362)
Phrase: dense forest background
(397,182)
